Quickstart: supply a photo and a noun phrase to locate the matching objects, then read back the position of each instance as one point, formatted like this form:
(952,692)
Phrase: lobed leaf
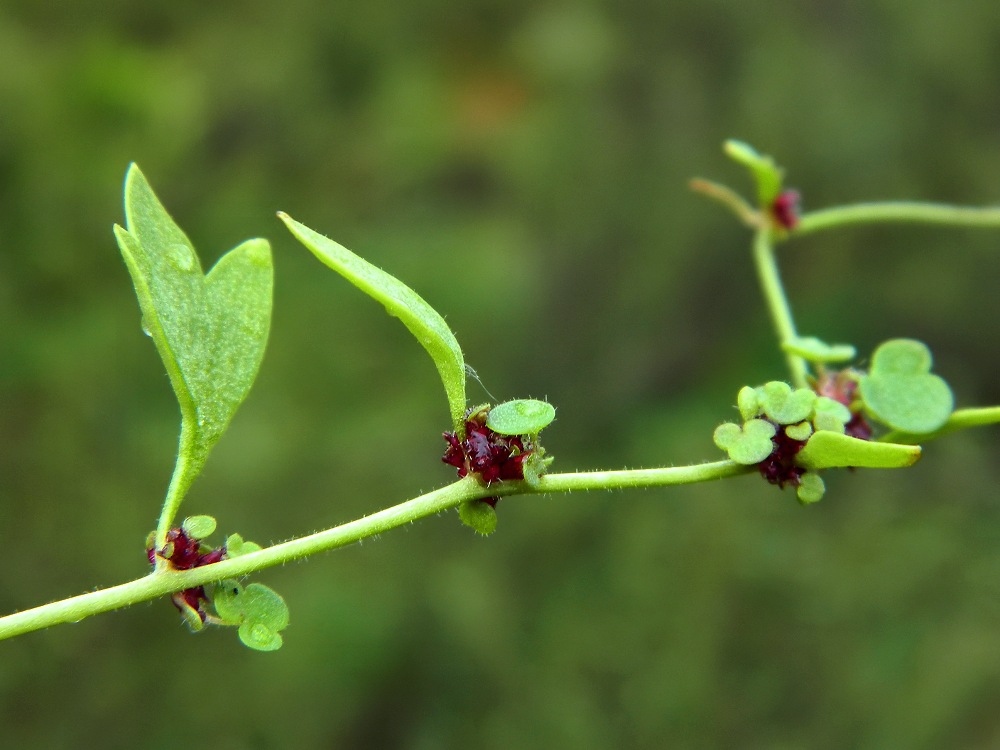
(210,331)
(783,405)
(901,392)
(258,610)
(747,444)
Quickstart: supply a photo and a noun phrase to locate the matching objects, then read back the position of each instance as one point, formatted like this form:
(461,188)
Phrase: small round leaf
(811,488)
(199,527)
(800,431)
(259,637)
(226,598)
(479,516)
(520,417)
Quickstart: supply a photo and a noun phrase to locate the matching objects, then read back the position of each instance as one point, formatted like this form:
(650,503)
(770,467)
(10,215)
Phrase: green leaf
(900,390)
(422,320)
(784,405)
(748,402)
(259,637)
(236,546)
(199,527)
(800,431)
(521,417)
(747,445)
(827,450)
(479,516)
(210,331)
(226,597)
(811,488)
(815,350)
(830,414)
(960,419)
(259,611)
(767,175)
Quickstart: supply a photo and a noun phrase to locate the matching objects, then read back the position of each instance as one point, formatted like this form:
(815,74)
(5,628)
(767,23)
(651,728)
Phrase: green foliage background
(523,165)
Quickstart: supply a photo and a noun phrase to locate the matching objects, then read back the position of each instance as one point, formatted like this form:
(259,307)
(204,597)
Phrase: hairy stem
(898,211)
(777,302)
(164,582)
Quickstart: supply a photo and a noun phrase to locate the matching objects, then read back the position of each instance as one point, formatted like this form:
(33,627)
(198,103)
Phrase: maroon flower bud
(785,209)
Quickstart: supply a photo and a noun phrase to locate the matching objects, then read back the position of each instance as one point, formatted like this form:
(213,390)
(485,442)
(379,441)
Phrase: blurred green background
(523,165)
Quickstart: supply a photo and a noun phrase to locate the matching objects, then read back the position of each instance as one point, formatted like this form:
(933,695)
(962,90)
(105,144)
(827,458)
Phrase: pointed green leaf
(827,450)
(900,390)
(210,331)
(766,174)
(422,320)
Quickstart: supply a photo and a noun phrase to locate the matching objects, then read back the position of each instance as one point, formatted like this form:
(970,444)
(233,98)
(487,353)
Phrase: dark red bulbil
(779,468)
(841,386)
(494,457)
(785,209)
(183,553)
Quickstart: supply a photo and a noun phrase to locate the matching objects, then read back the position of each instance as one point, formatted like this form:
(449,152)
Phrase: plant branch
(165,582)
(898,211)
(729,198)
(777,302)
(959,420)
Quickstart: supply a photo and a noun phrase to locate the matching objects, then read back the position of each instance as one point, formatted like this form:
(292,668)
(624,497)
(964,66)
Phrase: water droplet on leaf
(181,257)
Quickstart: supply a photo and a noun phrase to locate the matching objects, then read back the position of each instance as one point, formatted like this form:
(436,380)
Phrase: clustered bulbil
(785,209)
(184,552)
(494,457)
(842,386)
(779,468)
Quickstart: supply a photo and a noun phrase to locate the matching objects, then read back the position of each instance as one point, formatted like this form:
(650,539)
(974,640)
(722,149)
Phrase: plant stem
(729,198)
(164,582)
(960,419)
(777,302)
(899,211)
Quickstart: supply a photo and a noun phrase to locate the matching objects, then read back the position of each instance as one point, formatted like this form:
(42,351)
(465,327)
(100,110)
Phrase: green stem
(185,470)
(777,302)
(160,583)
(959,420)
(898,211)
